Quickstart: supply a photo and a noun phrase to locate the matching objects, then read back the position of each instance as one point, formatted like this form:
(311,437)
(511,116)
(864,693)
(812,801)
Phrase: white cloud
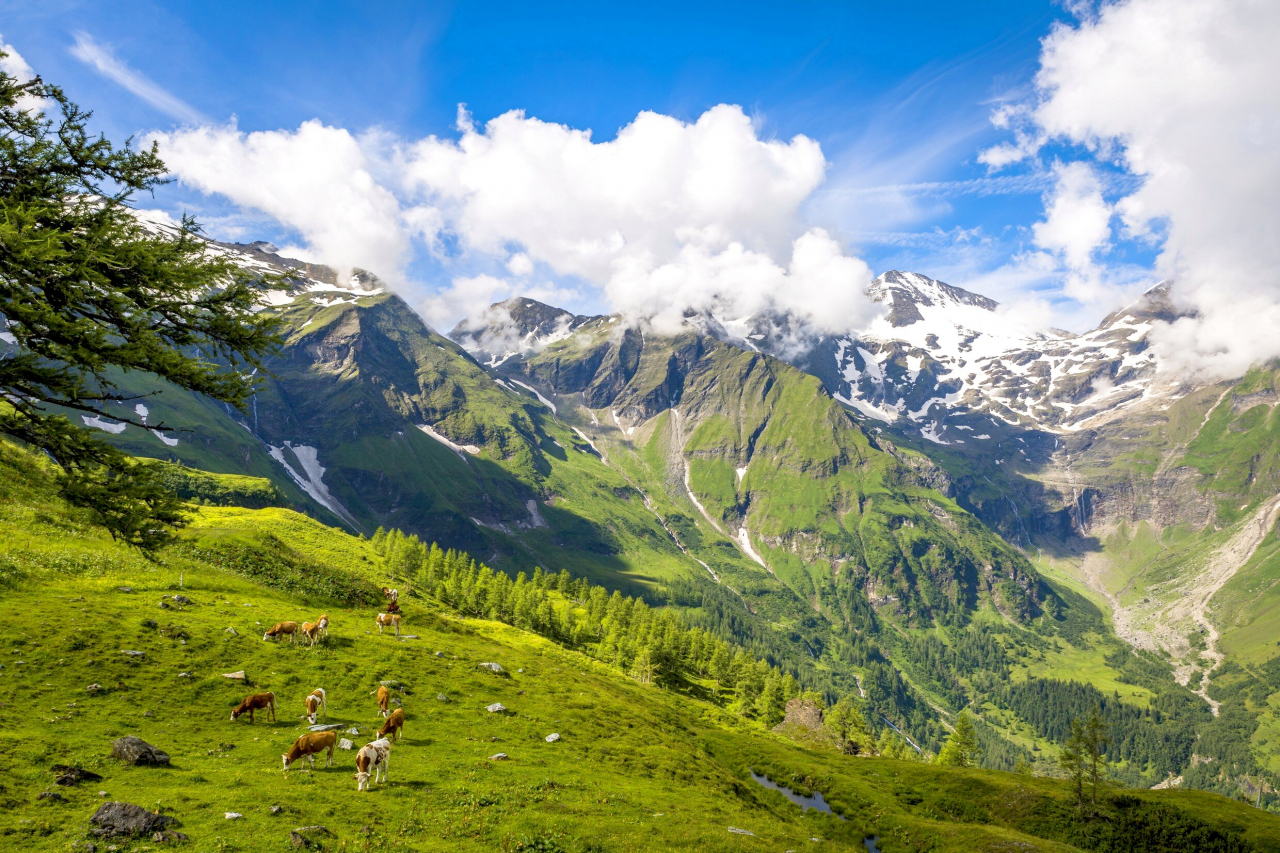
(668,217)
(1184,94)
(19,69)
(100,58)
(1076,227)
(316,180)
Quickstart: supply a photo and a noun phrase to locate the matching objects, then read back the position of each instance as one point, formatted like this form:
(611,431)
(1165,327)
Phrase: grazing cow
(384,699)
(393,725)
(256,702)
(372,760)
(282,629)
(309,746)
(392,594)
(323,624)
(316,702)
(310,633)
(388,619)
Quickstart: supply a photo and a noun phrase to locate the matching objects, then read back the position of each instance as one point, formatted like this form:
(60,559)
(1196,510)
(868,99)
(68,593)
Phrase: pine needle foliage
(86,293)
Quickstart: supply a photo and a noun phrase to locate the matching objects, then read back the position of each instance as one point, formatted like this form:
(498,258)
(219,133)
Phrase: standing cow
(371,761)
(309,746)
(257,702)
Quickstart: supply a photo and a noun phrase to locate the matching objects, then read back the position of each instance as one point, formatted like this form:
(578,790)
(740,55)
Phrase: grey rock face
(136,751)
(114,820)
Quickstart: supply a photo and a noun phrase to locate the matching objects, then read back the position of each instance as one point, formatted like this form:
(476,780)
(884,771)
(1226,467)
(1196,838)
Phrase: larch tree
(88,294)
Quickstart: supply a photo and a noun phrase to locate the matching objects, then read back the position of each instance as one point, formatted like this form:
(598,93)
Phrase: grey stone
(238,675)
(182,599)
(185,675)
(346,744)
(439,654)
(233,815)
(737,831)
(493,667)
(113,820)
(136,751)
(501,756)
(496,708)
(277,809)
(408,636)
(552,738)
(68,775)
(52,796)
(442,697)
(232,631)
(394,685)
(132,653)
(125,589)
(325,727)
(93,688)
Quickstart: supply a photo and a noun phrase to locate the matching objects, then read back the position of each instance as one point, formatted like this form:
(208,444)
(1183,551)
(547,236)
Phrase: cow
(310,632)
(256,702)
(393,725)
(309,746)
(282,629)
(372,760)
(388,619)
(323,624)
(392,595)
(316,702)
(384,699)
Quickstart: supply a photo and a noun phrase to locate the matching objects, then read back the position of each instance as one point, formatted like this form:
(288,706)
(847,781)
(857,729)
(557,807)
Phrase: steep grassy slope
(637,768)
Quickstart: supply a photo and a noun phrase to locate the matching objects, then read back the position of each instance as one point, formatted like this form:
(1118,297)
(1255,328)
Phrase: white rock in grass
(552,738)
(495,708)
(737,831)
(233,815)
(346,744)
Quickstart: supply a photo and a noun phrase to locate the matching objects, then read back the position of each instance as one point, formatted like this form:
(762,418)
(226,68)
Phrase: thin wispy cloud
(100,58)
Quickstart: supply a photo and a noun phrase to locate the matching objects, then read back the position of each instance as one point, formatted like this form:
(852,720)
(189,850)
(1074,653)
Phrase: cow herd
(372,758)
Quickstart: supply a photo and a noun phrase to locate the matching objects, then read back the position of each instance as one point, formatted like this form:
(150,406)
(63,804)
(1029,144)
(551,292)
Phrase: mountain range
(941,511)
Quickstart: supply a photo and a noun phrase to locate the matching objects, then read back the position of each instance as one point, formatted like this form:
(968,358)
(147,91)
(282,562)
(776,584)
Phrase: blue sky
(899,97)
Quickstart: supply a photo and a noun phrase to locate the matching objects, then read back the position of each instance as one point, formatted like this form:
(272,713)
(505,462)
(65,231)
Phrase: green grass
(637,768)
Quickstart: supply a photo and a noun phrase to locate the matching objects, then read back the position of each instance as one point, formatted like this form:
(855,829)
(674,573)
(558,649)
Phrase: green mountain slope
(636,767)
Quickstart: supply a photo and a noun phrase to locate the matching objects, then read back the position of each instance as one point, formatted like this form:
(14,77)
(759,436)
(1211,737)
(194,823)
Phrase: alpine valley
(936,513)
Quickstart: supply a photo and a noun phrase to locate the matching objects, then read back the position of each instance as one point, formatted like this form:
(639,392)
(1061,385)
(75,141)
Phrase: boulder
(346,744)
(132,653)
(354,730)
(113,820)
(501,756)
(439,654)
(306,836)
(232,631)
(737,831)
(238,675)
(68,775)
(125,589)
(93,688)
(492,667)
(801,713)
(442,697)
(136,751)
(52,796)
(232,815)
(276,809)
(392,684)
(325,727)
(182,599)
(495,708)
(552,738)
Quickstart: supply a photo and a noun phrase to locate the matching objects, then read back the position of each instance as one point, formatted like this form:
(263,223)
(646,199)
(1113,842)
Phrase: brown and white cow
(316,702)
(384,699)
(323,624)
(371,761)
(282,629)
(393,725)
(392,595)
(384,620)
(310,633)
(309,746)
(256,702)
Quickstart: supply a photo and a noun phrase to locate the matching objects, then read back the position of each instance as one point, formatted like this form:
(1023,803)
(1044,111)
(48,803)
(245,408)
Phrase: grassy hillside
(636,768)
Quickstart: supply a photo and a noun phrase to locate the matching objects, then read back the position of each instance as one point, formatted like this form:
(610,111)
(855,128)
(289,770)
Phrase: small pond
(814,801)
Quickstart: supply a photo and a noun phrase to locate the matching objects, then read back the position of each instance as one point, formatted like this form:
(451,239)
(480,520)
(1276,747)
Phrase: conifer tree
(87,293)
(1073,760)
(961,748)
(1095,741)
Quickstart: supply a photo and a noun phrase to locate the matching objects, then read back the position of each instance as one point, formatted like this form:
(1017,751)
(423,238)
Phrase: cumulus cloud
(19,69)
(100,58)
(316,180)
(1076,227)
(1184,94)
(668,217)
